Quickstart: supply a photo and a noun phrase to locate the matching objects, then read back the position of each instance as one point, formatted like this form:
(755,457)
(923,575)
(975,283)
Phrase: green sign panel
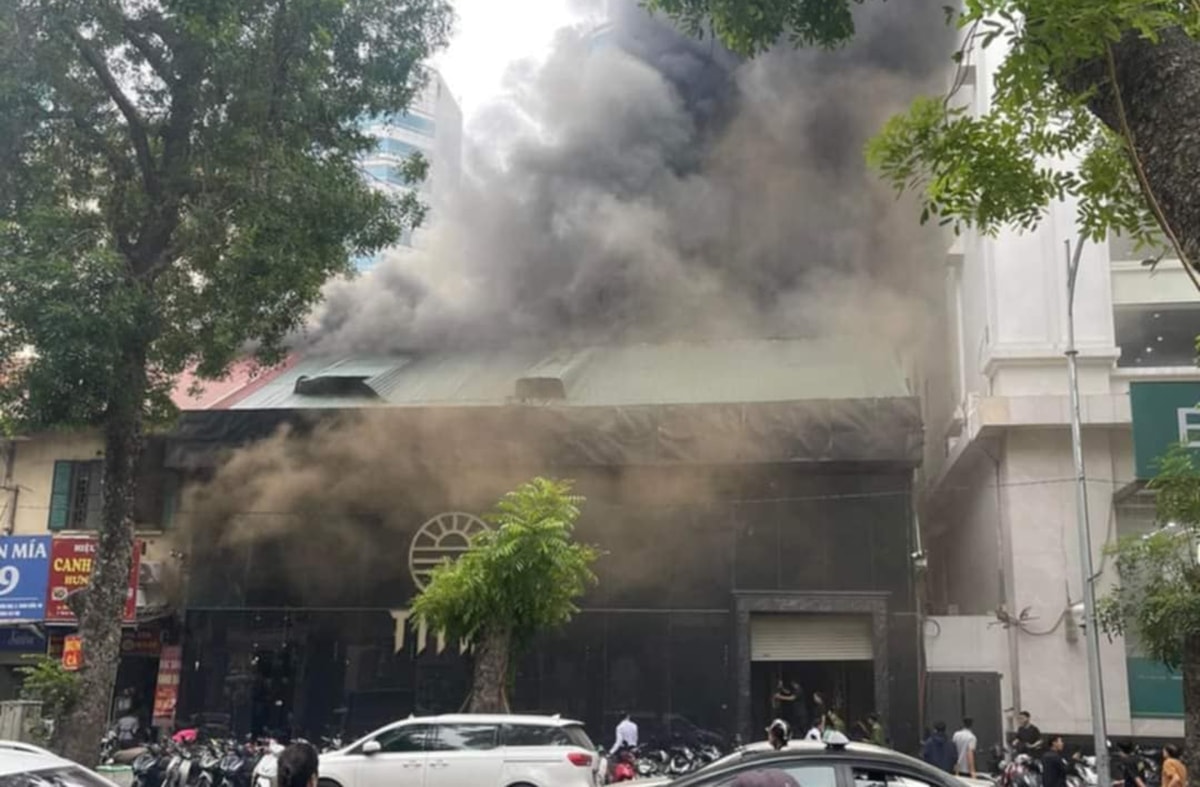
(1154,690)
(1163,414)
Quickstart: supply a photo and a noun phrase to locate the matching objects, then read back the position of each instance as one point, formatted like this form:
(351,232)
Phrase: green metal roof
(774,370)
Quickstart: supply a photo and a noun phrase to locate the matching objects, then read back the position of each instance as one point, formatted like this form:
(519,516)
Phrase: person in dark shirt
(939,751)
(1128,770)
(1054,765)
(1028,738)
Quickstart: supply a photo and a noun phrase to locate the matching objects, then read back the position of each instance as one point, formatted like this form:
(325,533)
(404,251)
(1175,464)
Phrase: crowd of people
(957,754)
(820,718)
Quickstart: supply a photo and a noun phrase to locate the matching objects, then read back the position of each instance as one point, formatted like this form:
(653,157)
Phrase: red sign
(71,569)
(72,657)
(166,692)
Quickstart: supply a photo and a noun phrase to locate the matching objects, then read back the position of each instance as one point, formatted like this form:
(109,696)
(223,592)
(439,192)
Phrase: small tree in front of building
(517,580)
(1157,600)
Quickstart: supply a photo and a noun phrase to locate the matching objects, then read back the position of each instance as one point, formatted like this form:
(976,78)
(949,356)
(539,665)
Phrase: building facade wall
(656,634)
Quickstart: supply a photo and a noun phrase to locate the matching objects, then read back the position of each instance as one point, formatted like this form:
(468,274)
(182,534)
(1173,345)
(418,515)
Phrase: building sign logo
(1189,426)
(24,575)
(445,537)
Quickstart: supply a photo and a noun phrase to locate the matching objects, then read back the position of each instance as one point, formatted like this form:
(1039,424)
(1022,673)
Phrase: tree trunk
(1159,86)
(1191,708)
(103,603)
(489,684)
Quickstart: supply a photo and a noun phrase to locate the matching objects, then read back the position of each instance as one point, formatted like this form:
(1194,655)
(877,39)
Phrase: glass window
(783,775)
(870,777)
(579,737)
(465,737)
(534,735)
(1157,334)
(411,738)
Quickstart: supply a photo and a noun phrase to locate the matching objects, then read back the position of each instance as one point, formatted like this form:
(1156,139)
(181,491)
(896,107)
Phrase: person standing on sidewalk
(1054,764)
(965,743)
(939,751)
(1174,772)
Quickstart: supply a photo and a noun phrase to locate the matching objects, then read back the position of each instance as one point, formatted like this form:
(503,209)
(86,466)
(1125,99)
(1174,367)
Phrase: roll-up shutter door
(810,638)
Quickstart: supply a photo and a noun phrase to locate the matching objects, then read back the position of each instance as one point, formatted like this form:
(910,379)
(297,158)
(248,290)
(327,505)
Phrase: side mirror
(371,747)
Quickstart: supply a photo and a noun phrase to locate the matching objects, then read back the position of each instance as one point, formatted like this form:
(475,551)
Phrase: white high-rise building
(431,126)
(1004,583)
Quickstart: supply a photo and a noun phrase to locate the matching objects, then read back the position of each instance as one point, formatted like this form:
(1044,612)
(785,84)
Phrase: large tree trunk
(1191,708)
(1159,88)
(103,603)
(489,685)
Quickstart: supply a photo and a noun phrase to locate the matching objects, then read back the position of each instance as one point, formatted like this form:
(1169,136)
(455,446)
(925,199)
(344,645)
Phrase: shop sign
(141,642)
(1164,413)
(24,575)
(166,692)
(21,640)
(1155,690)
(71,569)
(72,655)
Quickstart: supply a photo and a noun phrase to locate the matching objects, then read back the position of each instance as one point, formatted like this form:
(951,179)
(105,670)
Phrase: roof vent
(541,388)
(332,385)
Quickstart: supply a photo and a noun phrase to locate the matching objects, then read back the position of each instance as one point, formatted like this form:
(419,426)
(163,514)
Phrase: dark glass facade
(657,636)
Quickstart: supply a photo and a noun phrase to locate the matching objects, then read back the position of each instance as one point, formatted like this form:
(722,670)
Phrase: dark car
(812,764)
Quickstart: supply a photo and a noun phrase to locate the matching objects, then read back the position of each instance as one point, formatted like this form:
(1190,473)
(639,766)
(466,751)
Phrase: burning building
(752,498)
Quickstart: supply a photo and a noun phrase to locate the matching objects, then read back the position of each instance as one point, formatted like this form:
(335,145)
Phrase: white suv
(468,751)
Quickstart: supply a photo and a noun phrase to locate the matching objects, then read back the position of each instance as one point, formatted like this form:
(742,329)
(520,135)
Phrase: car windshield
(62,776)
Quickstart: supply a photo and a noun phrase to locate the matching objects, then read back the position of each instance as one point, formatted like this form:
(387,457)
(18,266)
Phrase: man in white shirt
(627,734)
(965,742)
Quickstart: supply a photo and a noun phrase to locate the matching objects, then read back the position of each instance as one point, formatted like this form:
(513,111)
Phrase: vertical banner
(72,657)
(166,692)
(71,560)
(24,576)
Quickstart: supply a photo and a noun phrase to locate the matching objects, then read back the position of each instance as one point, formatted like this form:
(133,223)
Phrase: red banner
(166,692)
(72,657)
(71,569)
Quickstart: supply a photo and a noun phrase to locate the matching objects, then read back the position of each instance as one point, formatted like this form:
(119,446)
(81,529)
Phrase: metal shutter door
(810,638)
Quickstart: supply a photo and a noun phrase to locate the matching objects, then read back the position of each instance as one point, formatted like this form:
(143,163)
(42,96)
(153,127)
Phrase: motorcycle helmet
(779,733)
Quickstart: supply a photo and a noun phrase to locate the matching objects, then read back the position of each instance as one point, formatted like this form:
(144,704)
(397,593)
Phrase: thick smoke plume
(644,187)
(641,185)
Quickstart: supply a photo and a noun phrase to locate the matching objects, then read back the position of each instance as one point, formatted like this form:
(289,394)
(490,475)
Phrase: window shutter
(818,637)
(95,495)
(60,496)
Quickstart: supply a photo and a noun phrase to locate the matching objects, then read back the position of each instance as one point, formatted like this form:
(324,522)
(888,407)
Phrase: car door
(401,759)
(464,755)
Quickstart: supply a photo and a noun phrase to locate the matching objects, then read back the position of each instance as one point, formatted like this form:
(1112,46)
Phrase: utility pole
(1091,630)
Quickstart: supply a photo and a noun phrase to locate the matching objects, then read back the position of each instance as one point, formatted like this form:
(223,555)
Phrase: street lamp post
(1095,678)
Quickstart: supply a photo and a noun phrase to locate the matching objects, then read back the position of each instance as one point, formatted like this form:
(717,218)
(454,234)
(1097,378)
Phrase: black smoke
(642,185)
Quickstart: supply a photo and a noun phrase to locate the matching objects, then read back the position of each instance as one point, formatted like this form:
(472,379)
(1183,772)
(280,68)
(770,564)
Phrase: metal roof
(773,370)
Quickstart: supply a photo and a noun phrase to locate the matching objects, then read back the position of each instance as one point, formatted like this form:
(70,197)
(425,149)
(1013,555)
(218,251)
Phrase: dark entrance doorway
(847,687)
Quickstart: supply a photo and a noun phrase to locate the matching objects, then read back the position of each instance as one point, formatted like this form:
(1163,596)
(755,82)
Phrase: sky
(489,37)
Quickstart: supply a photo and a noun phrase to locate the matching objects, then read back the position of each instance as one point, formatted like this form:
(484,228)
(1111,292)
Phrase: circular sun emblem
(444,537)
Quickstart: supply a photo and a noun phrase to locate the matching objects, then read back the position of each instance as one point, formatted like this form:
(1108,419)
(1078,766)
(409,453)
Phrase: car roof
(492,718)
(864,753)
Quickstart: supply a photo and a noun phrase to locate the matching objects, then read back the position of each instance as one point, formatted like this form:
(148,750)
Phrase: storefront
(716,522)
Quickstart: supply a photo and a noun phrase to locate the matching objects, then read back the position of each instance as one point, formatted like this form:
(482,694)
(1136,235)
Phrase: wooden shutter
(60,496)
(810,638)
(95,495)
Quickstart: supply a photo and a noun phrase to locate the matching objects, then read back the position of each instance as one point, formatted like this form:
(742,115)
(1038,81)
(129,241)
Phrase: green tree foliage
(1158,598)
(177,181)
(57,689)
(516,581)
(1156,602)
(1053,95)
